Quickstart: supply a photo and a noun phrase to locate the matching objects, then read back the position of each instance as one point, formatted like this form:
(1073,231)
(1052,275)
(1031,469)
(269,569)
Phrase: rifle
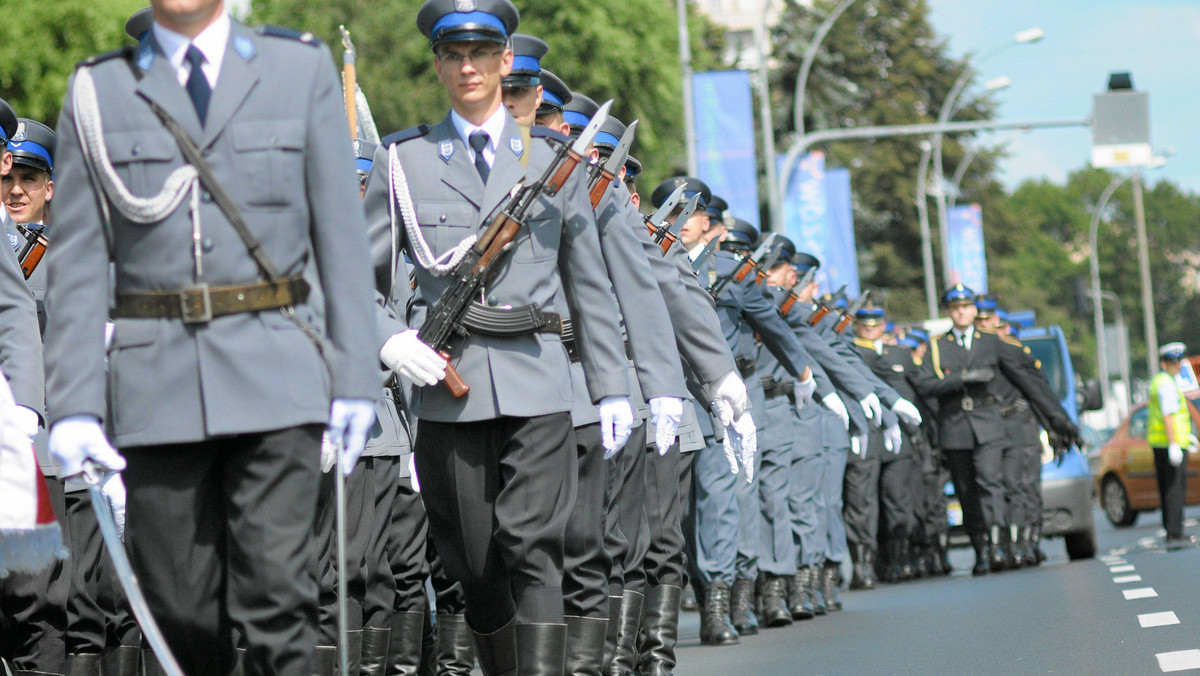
(33,249)
(747,265)
(608,171)
(656,222)
(786,306)
(706,253)
(766,265)
(848,315)
(349,83)
(824,307)
(445,320)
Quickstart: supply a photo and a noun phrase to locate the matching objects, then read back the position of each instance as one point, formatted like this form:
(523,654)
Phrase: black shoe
(816,590)
(629,623)
(943,554)
(831,579)
(775,612)
(981,545)
(996,556)
(799,602)
(691,599)
(122,660)
(542,649)
(1038,554)
(83,664)
(715,627)
(454,646)
(741,607)
(497,650)
(585,645)
(863,575)
(402,650)
(660,621)
(1016,547)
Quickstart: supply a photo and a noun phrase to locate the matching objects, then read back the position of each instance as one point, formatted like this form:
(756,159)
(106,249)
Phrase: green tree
(627,51)
(37,61)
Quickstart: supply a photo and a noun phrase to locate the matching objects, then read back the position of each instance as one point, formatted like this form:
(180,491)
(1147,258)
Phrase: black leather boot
(629,622)
(1016,547)
(859,577)
(816,590)
(904,557)
(799,602)
(455,646)
(715,627)
(741,607)
(83,664)
(610,632)
(497,650)
(402,656)
(660,621)
(542,649)
(354,649)
(325,661)
(1038,554)
(775,612)
(943,553)
(831,579)
(375,643)
(428,664)
(996,557)
(151,665)
(979,542)
(123,660)
(585,645)
(869,566)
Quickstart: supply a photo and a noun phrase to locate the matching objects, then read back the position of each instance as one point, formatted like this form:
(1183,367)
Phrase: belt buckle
(195,304)
(968,404)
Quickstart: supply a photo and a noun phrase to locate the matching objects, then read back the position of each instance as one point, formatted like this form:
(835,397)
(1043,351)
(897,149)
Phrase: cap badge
(20,135)
(465,5)
(446,149)
(516,145)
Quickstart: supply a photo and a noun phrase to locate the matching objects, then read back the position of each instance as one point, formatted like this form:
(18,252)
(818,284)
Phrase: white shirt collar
(494,126)
(211,42)
(964,336)
(696,250)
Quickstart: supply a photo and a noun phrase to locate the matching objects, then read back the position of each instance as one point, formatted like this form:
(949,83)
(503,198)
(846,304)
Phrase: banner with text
(968,259)
(725,146)
(818,218)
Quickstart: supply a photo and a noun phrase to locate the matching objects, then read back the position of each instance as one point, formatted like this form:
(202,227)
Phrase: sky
(1157,41)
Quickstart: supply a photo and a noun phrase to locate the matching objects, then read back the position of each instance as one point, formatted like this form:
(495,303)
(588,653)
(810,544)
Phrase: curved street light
(1097,305)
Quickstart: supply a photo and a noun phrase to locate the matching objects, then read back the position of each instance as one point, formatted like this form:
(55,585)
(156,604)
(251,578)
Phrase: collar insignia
(12,239)
(446,149)
(145,56)
(243,46)
(516,145)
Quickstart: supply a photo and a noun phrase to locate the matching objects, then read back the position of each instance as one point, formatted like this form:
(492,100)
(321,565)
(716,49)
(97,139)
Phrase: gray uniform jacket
(20,338)
(555,263)
(275,140)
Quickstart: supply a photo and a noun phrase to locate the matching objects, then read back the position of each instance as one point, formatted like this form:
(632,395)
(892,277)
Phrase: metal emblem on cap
(20,135)
(465,5)
(446,149)
(516,145)
(680,181)
(357,148)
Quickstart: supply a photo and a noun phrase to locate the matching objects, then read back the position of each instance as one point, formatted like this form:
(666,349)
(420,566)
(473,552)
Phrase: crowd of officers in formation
(655,402)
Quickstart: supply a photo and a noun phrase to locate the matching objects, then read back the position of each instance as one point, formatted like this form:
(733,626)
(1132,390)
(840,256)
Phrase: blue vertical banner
(818,218)
(968,260)
(725,147)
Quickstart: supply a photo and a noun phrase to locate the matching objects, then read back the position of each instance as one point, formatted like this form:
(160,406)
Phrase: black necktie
(479,140)
(197,84)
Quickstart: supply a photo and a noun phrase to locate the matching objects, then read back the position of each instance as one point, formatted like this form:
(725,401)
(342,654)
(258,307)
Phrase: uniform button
(442,218)
(207,245)
(205,196)
(271,140)
(135,151)
(493,302)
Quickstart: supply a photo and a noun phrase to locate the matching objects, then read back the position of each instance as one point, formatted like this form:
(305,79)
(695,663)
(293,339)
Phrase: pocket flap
(134,332)
(268,134)
(445,212)
(139,146)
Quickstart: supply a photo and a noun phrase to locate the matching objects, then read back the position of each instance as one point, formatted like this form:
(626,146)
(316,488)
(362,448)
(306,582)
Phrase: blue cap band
(549,97)
(920,335)
(3,135)
(869,312)
(910,343)
(456,19)
(364,164)
(985,304)
(31,147)
(526,63)
(605,138)
(575,119)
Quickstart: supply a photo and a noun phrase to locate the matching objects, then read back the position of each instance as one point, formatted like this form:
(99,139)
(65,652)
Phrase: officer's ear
(506,63)
(5,163)
(539,98)
(49,189)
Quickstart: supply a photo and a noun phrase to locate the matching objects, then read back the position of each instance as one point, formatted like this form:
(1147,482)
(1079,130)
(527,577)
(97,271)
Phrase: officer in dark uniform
(931,530)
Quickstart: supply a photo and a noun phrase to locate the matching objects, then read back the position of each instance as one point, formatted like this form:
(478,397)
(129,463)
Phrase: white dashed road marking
(1121,569)
(1180,660)
(1122,579)
(1157,619)
(1140,593)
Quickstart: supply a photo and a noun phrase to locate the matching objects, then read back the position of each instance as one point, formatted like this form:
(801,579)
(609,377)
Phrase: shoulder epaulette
(1011,341)
(988,331)
(863,342)
(279,32)
(405,135)
(124,52)
(538,131)
(948,334)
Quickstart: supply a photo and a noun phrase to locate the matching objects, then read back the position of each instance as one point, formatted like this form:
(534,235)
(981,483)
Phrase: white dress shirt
(964,338)
(211,43)
(494,126)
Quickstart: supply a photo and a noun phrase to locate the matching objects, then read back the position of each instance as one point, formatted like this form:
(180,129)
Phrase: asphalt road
(1061,618)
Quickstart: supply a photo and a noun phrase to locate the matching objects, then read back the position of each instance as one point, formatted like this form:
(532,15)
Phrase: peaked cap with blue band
(787,249)
(910,343)
(870,316)
(958,294)
(139,22)
(1173,351)
(633,167)
(527,61)
(8,122)
(364,155)
(920,335)
(579,111)
(805,262)
(555,93)
(740,235)
(986,305)
(609,135)
(716,208)
(33,145)
(693,186)
(445,21)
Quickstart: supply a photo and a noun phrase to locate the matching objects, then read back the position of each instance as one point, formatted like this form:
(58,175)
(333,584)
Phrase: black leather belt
(568,340)
(969,403)
(200,303)
(778,388)
(745,366)
(508,322)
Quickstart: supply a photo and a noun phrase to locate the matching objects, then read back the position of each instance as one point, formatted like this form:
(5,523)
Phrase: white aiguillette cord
(402,200)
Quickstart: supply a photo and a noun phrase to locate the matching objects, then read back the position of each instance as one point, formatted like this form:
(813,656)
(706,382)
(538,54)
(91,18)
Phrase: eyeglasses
(476,56)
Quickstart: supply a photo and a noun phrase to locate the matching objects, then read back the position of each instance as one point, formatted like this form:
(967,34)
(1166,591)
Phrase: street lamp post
(768,129)
(685,63)
(926,239)
(1097,305)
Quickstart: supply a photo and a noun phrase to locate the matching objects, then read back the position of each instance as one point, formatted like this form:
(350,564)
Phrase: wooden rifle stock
(760,277)
(843,323)
(454,382)
(33,250)
(559,179)
(787,304)
(818,315)
(746,267)
(601,185)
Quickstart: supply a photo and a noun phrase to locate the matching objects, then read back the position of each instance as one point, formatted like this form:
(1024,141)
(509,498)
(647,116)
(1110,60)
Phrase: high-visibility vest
(1181,421)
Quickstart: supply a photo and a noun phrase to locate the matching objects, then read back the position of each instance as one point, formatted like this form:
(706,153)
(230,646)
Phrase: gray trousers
(837,449)
(776,538)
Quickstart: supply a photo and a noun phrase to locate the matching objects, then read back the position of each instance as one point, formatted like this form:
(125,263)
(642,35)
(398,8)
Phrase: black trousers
(978,478)
(360,496)
(498,494)
(586,563)
(860,496)
(33,606)
(668,491)
(85,616)
(383,473)
(219,533)
(407,554)
(1172,491)
(627,533)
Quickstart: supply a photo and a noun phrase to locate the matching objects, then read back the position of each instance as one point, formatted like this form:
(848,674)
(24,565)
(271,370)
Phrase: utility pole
(768,128)
(685,62)
(1139,210)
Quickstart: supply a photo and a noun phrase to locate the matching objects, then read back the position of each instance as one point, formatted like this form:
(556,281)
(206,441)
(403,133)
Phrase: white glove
(616,422)
(350,421)
(78,438)
(665,413)
(1193,444)
(740,445)
(834,403)
(113,489)
(872,408)
(26,421)
(858,445)
(328,453)
(109,328)
(1175,455)
(731,391)
(907,410)
(893,438)
(405,354)
(804,390)
(412,473)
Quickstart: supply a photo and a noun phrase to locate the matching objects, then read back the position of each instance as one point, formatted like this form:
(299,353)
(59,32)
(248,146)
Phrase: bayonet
(609,170)
(747,265)
(667,207)
(584,141)
(706,253)
(688,210)
(786,306)
(767,264)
